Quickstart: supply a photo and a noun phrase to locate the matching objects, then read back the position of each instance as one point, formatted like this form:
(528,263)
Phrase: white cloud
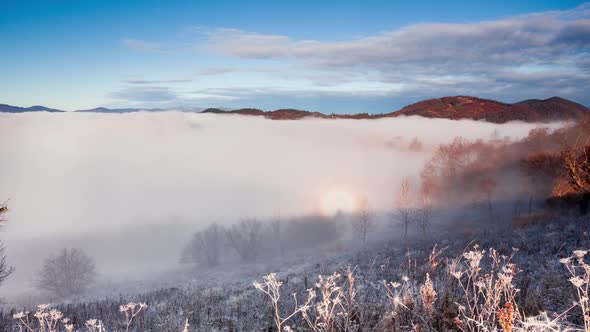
(146,82)
(142,46)
(479,57)
(145,94)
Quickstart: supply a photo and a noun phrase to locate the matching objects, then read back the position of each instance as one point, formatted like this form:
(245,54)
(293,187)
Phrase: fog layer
(85,179)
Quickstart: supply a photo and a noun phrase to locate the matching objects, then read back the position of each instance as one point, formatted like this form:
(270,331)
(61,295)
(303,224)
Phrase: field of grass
(530,278)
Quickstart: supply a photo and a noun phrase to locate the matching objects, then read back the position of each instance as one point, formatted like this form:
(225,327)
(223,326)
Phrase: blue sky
(328,56)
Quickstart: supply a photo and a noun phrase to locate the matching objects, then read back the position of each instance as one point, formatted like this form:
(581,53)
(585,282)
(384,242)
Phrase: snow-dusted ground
(223,298)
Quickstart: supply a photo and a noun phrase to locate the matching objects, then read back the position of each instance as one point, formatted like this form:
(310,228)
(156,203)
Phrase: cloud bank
(143,182)
(535,55)
(83,172)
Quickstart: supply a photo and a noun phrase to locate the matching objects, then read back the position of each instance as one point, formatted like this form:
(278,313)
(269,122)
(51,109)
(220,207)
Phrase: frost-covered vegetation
(531,278)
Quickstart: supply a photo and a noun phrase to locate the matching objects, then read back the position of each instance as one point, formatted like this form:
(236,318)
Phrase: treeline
(548,168)
(252,239)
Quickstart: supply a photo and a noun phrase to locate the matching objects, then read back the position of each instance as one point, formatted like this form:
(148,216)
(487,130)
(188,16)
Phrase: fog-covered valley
(131,189)
(295,166)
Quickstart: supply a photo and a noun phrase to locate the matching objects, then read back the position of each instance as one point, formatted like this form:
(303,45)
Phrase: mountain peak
(467,107)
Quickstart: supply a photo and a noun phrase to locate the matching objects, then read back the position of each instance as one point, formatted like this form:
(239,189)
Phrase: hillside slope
(465,107)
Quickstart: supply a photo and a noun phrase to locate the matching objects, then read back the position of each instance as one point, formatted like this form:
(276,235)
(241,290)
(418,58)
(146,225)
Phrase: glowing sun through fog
(337,200)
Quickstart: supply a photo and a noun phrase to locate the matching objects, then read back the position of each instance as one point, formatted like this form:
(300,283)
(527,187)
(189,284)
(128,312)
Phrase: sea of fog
(130,189)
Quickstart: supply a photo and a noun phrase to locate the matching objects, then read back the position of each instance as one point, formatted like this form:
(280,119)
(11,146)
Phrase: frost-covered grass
(526,279)
(46,319)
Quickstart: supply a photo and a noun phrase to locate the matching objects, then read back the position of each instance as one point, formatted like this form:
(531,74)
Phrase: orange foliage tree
(573,183)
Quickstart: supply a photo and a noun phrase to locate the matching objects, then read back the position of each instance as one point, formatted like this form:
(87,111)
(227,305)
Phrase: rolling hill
(464,107)
(454,108)
(15,109)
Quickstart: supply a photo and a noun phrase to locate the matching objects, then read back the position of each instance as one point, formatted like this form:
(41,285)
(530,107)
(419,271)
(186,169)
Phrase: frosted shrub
(580,278)
(400,299)
(350,293)
(95,325)
(428,295)
(43,320)
(272,288)
(410,308)
(329,305)
(131,310)
(488,295)
(46,319)
(336,305)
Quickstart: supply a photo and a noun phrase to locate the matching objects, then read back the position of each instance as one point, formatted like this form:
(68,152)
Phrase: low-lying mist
(130,189)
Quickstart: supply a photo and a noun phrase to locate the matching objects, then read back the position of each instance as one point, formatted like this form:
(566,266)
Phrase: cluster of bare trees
(205,246)
(250,239)
(463,171)
(244,238)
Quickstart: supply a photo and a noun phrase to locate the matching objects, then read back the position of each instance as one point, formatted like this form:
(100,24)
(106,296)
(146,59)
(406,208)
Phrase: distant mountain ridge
(454,108)
(15,109)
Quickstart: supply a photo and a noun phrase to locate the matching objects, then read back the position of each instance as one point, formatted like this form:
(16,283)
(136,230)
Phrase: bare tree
(276,228)
(405,207)
(246,238)
(70,272)
(423,214)
(363,223)
(5,269)
(205,246)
